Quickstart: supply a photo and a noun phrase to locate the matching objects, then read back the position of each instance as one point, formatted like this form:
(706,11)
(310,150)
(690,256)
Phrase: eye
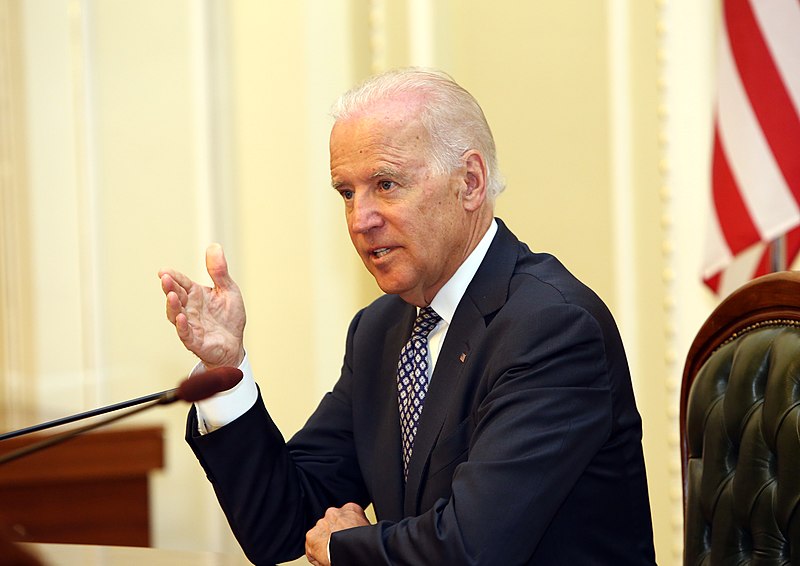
(386,185)
(347,194)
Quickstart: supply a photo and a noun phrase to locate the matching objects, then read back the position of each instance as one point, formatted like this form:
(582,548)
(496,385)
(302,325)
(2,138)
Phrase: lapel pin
(462,357)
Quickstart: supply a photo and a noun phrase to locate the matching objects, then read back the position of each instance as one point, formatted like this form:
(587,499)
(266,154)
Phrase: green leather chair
(740,429)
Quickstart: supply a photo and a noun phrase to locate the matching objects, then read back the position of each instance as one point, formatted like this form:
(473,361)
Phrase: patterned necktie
(412,379)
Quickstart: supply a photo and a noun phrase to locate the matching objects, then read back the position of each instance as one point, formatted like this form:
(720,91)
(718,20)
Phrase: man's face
(407,223)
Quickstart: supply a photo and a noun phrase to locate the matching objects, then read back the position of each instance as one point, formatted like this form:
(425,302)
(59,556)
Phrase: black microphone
(193,389)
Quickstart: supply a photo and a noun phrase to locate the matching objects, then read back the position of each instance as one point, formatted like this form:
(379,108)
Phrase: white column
(686,55)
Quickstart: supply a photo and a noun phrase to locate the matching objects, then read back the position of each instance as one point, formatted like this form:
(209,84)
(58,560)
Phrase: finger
(308,551)
(174,307)
(177,317)
(183,328)
(354,507)
(309,555)
(311,540)
(169,285)
(178,279)
(217,267)
(167,282)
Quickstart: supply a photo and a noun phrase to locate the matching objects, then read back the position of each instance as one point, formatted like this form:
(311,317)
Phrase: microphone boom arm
(200,387)
(85,415)
(164,398)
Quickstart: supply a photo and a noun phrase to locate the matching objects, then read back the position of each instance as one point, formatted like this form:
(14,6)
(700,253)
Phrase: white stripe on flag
(717,255)
(761,184)
(780,24)
(741,269)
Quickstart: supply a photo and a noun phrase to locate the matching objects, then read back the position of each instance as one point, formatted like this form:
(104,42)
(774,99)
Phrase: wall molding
(87,201)
(17,388)
(377,36)
(671,362)
(622,193)
(685,54)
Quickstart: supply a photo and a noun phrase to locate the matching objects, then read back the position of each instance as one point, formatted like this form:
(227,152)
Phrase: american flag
(756,153)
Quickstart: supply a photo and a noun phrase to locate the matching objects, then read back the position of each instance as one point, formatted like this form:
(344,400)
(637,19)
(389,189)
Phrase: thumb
(217,267)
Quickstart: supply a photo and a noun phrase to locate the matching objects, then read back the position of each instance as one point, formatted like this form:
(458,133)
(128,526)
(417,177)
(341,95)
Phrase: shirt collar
(448,297)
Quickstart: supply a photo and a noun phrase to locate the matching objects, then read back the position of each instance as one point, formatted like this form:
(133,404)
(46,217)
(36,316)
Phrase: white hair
(451,116)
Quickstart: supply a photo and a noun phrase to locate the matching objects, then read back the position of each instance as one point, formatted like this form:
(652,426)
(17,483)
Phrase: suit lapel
(388,456)
(486,293)
(444,381)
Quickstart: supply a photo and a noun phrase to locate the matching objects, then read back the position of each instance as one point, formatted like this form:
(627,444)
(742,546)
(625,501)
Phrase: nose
(365,213)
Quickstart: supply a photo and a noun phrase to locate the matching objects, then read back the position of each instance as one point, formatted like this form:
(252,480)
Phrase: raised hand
(209,320)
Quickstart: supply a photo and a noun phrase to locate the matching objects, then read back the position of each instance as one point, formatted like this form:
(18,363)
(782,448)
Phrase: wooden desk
(92,489)
(80,555)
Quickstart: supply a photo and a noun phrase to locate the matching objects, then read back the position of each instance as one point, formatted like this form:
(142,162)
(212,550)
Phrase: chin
(395,284)
(391,287)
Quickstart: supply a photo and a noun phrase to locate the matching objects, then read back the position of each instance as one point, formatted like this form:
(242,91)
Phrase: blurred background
(135,133)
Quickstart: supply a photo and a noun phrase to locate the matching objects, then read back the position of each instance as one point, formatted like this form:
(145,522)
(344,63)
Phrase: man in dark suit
(484,406)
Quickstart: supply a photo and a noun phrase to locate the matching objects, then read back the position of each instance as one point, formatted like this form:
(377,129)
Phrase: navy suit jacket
(528,450)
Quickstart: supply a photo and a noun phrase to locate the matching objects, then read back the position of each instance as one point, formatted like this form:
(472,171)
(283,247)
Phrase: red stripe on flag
(770,98)
(734,219)
(766,90)
(713,281)
(764,264)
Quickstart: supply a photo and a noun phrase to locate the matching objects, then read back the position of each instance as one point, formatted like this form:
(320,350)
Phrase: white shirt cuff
(227,406)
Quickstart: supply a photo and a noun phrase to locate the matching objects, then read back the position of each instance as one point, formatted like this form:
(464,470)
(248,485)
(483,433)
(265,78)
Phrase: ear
(474,190)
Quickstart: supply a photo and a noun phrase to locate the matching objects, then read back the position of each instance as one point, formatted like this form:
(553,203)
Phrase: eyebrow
(385,172)
(378,173)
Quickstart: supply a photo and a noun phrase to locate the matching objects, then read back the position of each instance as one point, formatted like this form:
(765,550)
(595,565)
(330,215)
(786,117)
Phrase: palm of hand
(216,320)
(209,320)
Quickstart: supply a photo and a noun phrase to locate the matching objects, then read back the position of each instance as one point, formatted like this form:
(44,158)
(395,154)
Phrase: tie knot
(427,319)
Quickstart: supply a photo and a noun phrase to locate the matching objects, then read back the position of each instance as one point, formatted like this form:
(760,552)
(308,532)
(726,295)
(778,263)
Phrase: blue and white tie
(412,379)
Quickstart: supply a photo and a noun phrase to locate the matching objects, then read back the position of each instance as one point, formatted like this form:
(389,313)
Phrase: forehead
(387,135)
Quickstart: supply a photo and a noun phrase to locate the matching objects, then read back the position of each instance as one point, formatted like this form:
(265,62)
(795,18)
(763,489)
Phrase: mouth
(380,252)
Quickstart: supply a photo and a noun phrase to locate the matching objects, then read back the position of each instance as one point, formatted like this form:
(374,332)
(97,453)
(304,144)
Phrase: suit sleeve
(545,412)
(272,492)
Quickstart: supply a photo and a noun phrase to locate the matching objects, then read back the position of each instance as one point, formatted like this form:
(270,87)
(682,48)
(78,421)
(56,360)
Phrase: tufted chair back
(740,429)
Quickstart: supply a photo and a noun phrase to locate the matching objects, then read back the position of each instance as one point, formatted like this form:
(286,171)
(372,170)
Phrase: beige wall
(149,129)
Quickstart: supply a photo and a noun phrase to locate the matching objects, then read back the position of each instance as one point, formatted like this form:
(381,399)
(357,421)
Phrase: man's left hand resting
(351,515)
